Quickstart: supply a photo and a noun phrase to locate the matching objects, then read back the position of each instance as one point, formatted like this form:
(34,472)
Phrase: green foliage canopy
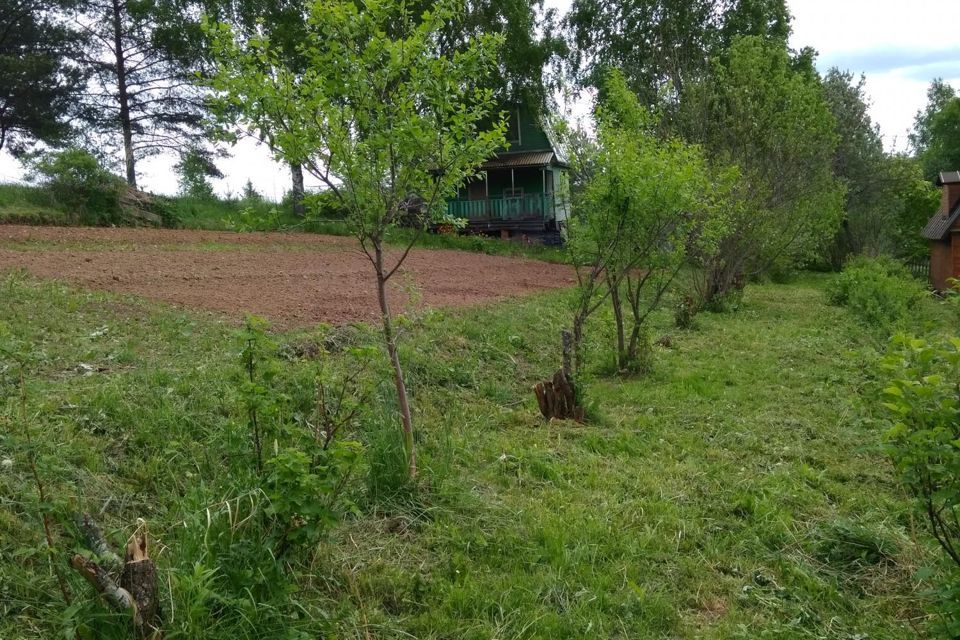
(936,135)
(772,123)
(662,46)
(378,118)
(77,181)
(640,210)
(388,119)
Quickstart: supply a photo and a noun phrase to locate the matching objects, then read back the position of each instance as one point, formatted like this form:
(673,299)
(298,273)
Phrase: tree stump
(136,590)
(557,398)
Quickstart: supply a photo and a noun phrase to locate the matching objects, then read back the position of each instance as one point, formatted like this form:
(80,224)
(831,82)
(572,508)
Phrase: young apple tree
(646,203)
(381,113)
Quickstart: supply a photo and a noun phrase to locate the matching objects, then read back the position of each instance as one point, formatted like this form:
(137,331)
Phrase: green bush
(305,490)
(923,401)
(880,290)
(310,468)
(77,182)
(321,205)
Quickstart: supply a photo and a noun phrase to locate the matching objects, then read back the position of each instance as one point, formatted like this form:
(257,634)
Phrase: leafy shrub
(304,490)
(923,399)
(77,182)
(309,470)
(252,219)
(880,290)
(321,205)
(727,302)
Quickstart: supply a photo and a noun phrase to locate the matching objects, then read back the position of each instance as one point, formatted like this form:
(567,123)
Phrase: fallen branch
(97,543)
(117,597)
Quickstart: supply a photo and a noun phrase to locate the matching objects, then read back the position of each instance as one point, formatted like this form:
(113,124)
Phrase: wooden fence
(920,268)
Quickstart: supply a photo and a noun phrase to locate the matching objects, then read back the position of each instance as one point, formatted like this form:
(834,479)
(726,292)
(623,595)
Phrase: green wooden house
(520,193)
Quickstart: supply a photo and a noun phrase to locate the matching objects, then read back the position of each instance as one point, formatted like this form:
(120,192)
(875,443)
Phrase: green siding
(532,136)
(490,201)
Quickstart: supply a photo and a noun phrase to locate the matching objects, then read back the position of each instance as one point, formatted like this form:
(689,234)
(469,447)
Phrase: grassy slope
(21,204)
(734,492)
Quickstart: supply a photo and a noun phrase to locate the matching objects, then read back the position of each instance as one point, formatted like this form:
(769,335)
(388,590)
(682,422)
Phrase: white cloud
(899,46)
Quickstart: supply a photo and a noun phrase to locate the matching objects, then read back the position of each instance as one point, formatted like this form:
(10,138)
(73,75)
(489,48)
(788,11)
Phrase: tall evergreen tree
(143,97)
(38,84)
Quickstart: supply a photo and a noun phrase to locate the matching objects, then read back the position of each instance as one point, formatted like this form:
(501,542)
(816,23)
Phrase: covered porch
(512,188)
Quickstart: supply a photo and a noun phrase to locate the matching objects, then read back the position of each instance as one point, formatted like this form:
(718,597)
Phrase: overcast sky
(900,46)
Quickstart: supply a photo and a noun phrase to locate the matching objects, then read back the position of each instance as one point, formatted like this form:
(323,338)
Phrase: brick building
(943,232)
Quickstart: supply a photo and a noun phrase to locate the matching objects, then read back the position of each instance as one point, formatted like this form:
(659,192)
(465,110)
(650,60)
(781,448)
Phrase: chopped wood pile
(557,398)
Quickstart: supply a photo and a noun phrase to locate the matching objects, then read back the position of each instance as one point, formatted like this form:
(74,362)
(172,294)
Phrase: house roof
(522,159)
(940,224)
(948,177)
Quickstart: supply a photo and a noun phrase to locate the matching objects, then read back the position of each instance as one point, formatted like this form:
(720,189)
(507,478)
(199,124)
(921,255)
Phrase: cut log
(558,399)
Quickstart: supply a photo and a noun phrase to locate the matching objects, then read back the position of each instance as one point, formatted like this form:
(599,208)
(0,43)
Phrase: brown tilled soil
(294,280)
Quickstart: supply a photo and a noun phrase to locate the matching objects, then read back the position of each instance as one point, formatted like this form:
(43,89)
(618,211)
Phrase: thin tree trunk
(566,341)
(122,94)
(296,190)
(391,339)
(633,298)
(618,318)
(578,321)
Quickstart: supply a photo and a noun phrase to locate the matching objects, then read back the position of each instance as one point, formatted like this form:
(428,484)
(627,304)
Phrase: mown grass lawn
(735,492)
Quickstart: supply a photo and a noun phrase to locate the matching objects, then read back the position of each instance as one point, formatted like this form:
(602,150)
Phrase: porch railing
(534,206)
